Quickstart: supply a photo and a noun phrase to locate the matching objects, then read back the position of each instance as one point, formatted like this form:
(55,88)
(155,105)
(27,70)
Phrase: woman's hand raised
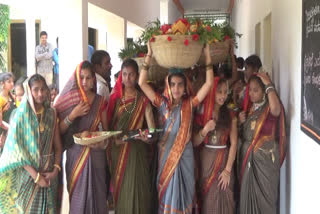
(206,51)
(264,78)
(149,50)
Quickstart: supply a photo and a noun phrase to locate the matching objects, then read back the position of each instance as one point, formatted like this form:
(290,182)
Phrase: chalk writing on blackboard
(310,66)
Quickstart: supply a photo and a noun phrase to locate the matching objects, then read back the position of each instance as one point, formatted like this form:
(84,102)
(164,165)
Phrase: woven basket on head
(140,61)
(156,73)
(219,52)
(175,53)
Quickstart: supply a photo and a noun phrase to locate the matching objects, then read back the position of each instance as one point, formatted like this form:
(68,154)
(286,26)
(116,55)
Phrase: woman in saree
(30,160)
(7,105)
(252,66)
(175,182)
(81,109)
(217,128)
(129,109)
(263,148)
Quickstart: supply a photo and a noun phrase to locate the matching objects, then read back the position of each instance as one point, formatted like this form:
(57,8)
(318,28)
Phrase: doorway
(17,48)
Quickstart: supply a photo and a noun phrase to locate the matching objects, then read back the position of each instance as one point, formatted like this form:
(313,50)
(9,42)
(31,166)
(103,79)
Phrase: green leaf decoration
(4,33)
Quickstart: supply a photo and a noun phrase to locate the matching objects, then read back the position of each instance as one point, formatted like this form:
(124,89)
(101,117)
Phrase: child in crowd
(53,92)
(19,90)
(6,104)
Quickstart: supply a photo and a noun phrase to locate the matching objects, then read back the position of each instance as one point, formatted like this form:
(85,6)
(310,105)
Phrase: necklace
(214,137)
(258,105)
(40,113)
(134,105)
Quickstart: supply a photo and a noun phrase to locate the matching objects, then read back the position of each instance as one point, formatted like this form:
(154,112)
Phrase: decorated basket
(219,52)
(94,137)
(176,51)
(140,61)
(156,73)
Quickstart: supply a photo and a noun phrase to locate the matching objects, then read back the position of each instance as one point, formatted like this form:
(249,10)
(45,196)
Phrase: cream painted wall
(164,11)
(134,31)
(300,174)
(173,12)
(26,10)
(246,14)
(111,32)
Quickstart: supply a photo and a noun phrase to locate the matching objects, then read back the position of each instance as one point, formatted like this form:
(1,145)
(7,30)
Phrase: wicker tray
(174,53)
(98,137)
(219,52)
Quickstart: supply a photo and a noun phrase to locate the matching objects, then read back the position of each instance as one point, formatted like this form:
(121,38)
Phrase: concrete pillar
(125,32)
(116,36)
(73,37)
(31,45)
(164,11)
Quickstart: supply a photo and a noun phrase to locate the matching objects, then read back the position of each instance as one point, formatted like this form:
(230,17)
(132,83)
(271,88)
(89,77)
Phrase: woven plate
(99,136)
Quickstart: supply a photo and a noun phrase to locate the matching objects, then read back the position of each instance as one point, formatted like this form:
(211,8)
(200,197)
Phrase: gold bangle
(37,178)
(145,66)
(200,133)
(57,166)
(209,67)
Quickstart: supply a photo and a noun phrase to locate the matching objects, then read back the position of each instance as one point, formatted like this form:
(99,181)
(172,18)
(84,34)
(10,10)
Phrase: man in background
(44,58)
(101,62)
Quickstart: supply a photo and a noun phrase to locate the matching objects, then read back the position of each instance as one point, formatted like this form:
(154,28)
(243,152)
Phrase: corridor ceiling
(196,6)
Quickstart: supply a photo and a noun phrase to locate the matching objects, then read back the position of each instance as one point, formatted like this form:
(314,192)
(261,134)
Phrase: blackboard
(310,67)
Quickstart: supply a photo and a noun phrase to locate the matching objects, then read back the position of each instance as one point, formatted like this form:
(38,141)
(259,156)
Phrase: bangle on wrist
(269,87)
(67,121)
(209,67)
(145,66)
(37,178)
(149,55)
(57,166)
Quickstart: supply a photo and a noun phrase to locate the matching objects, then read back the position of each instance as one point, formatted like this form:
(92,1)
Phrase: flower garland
(202,31)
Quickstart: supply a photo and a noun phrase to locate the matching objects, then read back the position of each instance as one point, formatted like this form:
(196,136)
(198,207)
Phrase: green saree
(26,145)
(129,163)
